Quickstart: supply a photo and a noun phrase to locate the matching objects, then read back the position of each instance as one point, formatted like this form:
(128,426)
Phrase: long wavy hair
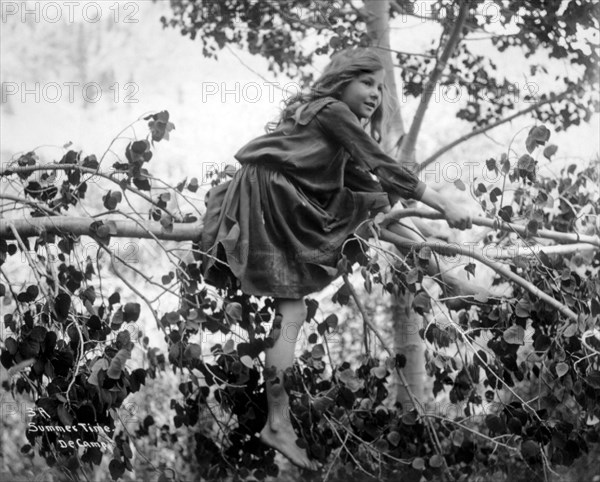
(344,67)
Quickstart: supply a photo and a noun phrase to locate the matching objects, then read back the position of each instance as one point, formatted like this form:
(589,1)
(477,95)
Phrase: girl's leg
(278,432)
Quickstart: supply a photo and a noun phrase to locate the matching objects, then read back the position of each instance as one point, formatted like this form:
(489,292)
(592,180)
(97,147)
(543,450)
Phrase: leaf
(515,335)
(166,222)
(561,369)
(495,424)
(192,351)
(229,347)
(505,213)
(490,164)
(193,185)
(123,339)
(64,416)
(422,303)
(62,305)
(90,162)
(593,379)
(409,418)
(549,151)
(412,276)
(117,364)
(470,268)
(111,199)
(460,185)
(101,364)
(379,372)
(495,194)
(131,312)
(142,183)
(233,312)
(523,308)
(331,321)
(542,342)
(349,378)
(311,309)
(70,157)
(393,438)
(570,330)
(247,360)
(532,227)
(317,352)
(530,144)
(160,126)
(521,262)
(418,463)
(114,299)
(526,163)
(538,136)
(117,319)
(530,449)
(116,468)
(335,42)
(457,437)
(436,461)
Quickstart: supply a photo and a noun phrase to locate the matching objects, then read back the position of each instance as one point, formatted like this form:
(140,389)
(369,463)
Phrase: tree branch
(450,249)
(80,226)
(495,224)
(409,142)
(476,132)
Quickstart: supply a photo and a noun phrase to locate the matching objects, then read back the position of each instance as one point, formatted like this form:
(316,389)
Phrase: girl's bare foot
(281,436)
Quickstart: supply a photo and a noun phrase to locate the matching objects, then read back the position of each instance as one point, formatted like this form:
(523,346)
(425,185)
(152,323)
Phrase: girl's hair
(344,67)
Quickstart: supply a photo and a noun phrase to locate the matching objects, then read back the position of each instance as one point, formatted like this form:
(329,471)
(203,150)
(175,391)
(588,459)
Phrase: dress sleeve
(339,123)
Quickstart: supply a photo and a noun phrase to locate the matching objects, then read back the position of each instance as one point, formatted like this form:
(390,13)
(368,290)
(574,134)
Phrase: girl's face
(363,95)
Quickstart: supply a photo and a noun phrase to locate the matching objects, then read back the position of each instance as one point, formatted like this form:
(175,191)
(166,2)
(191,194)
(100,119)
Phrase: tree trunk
(405,321)
(378,20)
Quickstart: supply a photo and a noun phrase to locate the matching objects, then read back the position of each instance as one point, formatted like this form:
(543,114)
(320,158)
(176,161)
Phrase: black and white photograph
(300,240)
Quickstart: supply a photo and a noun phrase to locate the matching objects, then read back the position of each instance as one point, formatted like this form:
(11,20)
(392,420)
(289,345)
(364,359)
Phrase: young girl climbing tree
(279,226)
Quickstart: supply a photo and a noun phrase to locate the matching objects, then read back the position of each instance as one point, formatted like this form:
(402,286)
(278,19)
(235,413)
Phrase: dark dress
(278,227)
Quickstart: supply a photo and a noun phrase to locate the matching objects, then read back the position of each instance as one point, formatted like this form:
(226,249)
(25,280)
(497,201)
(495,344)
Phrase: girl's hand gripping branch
(457,216)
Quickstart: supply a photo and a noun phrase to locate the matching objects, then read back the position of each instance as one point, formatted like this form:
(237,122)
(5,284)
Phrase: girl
(277,228)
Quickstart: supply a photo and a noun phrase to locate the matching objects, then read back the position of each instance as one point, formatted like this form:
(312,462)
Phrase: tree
(59,321)
(276,30)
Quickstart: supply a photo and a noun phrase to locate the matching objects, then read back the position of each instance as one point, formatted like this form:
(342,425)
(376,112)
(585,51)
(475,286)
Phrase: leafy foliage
(523,392)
